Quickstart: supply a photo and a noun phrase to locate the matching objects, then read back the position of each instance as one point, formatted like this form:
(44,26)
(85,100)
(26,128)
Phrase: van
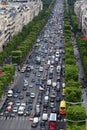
(10,93)
(45,117)
(35,122)
(46,99)
(49,82)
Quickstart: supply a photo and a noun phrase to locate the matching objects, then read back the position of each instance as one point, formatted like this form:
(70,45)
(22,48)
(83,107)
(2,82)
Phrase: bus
(62,108)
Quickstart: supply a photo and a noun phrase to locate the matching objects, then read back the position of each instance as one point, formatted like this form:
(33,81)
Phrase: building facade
(80,9)
(13,16)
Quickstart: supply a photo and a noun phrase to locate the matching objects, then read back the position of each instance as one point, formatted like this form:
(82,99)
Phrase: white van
(45,117)
(54,84)
(46,99)
(49,82)
(10,93)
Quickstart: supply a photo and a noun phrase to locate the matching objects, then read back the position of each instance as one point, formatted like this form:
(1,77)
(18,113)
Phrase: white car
(54,84)
(63,85)
(49,82)
(25,83)
(30,85)
(40,69)
(32,95)
(45,117)
(21,110)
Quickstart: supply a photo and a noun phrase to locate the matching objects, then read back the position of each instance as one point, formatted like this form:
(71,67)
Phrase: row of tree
(73,89)
(82,45)
(20,44)
(6,77)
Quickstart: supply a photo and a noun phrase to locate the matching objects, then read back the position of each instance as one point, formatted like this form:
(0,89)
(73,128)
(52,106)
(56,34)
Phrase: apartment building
(13,16)
(80,9)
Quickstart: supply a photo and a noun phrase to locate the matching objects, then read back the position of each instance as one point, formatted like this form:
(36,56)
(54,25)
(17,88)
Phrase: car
(27,74)
(52,100)
(40,69)
(58,99)
(58,86)
(32,95)
(58,78)
(25,83)
(46,104)
(29,101)
(50,76)
(18,91)
(63,85)
(58,69)
(21,110)
(30,85)
(53,94)
(53,110)
(49,82)
(54,84)
(23,68)
(17,103)
(59,117)
(45,110)
(28,93)
(24,88)
(37,83)
(26,113)
(15,95)
(15,109)
(44,116)
(42,125)
(21,96)
(29,107)
(35,122)
(39,101)
(52,104)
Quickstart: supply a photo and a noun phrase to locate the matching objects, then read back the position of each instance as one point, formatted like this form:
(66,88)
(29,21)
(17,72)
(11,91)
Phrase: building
(80,9)
(13,16)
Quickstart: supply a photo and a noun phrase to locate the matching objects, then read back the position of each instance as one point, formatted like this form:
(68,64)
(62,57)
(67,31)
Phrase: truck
(52,121)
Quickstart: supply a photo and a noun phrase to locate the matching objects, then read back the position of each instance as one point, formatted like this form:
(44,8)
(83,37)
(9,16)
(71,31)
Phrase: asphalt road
(50,39)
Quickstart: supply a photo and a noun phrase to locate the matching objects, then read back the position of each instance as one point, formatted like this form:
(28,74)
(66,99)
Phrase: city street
(39,87)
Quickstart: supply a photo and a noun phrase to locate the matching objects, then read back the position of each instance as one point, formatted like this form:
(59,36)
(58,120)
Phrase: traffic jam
(39,94)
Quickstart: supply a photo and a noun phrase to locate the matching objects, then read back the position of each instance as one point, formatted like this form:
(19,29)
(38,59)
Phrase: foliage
(73,94)
(75,127)
(6,77)
(83,52)
(72,83)
(76,113)
(73,90)
(71,72)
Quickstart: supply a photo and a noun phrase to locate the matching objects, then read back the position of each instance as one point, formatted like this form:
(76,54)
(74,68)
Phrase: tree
(73,94)
(71,72)
(76,113)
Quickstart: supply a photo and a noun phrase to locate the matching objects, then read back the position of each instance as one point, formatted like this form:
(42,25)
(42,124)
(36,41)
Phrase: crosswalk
(14,118)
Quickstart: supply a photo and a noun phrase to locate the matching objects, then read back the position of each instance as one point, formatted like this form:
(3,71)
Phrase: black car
(21,96)
(26,112)
(24,88)
(29,101)
(42,125)
(27,93)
